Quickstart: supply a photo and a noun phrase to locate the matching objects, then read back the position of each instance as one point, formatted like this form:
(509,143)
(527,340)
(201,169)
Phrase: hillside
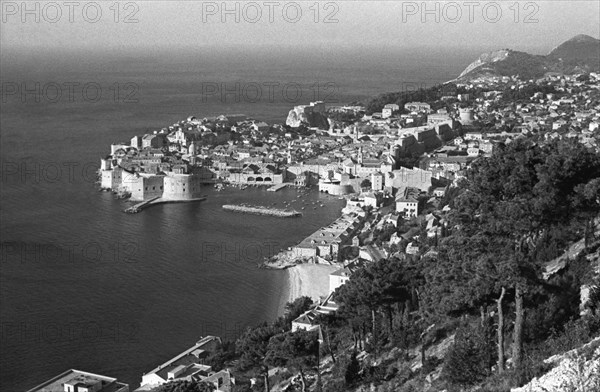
(579,54)
(581,47)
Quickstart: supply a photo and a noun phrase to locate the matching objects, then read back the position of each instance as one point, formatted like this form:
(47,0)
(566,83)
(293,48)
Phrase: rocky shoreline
(283,260)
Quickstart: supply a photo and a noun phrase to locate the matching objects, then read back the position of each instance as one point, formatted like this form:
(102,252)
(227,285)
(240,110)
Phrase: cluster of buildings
(571,111)
(560,106)
(174,162)
(326,242)
(187,366)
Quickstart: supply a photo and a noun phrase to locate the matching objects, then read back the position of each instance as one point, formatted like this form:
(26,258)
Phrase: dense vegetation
(185,386)
(431,94)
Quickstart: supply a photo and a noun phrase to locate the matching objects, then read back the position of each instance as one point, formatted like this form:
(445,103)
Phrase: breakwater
(258,210)
(158,200)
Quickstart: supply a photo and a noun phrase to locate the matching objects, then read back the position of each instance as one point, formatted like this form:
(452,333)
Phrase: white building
(408,203)
(79,381)
(338,278)
(389,109)
(377,181)
(306,322)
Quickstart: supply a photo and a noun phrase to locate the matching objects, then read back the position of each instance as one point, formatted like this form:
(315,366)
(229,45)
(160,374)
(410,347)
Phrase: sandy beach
(311,280)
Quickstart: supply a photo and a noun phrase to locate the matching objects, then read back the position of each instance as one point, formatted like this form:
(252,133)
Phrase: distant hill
(579,54)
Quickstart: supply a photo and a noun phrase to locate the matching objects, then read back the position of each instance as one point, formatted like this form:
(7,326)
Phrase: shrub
(352,371)
(469,359)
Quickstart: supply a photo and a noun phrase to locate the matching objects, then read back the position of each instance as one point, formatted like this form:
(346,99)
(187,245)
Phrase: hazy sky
(537,26)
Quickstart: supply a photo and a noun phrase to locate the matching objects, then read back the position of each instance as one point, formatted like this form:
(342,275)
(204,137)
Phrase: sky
(534,26)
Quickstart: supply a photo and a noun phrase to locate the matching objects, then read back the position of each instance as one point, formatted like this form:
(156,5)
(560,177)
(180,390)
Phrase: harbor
(259,210)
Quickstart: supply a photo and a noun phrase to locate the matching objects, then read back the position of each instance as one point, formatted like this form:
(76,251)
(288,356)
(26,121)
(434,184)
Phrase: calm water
(84,285)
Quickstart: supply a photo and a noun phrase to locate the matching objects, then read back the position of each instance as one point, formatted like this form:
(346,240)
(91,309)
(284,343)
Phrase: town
(396,165)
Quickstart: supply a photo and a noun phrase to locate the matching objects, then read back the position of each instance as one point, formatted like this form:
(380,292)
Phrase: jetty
(158,200)
(277,187)
(259,210)
(140,206)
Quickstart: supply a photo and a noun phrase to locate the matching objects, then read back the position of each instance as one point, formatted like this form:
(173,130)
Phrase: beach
(311,280)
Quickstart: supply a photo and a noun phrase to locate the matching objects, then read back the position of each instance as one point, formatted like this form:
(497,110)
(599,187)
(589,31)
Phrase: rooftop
(335,232)
(188,357)
(56,384)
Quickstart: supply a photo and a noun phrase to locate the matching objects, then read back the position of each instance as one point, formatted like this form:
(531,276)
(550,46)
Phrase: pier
(140,206)
(277,187)
(258,210)
(158,200)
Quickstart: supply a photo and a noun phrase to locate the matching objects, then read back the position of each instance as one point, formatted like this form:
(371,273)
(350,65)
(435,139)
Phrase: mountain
(579,47)
(579,54)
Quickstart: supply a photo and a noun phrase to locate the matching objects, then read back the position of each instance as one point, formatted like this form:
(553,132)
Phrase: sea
(84,285)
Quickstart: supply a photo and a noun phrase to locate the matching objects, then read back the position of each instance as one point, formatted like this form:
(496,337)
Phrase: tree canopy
(185,386)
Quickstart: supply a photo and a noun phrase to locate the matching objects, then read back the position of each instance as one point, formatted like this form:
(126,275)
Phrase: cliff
(312,115)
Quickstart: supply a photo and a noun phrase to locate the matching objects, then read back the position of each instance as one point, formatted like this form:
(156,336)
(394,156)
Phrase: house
(372,199)
(221,380)
(154,141)
(407,203)
(372,253)
(327,306)
(439,192)
(377,181)
(260,126)
(306,322)
(327,241)
(473,151)
(394,218)
(417,107)
(338,278)
(79,381)
(412,248)
(473,136)
(389,109)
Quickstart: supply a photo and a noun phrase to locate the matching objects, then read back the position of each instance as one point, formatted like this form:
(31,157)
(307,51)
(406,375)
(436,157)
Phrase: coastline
(311,280)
